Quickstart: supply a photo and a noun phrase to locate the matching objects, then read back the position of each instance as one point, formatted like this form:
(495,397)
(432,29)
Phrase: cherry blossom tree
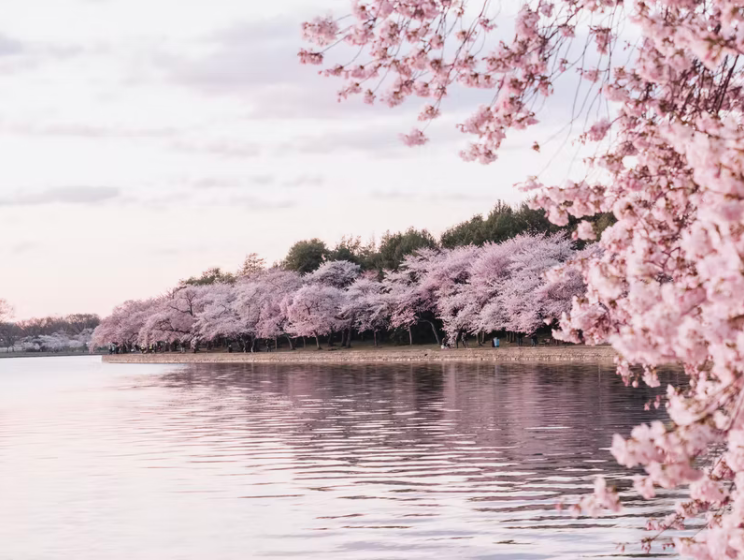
(446,279)
(490,272)
(125,323)
(503,286)
(409,302)
(564,284)
(219,317)
(175,317)
(668,284)
(367,306)
(315,310)
(261,304)
(250,294)
(426,284)
(522,300)
(278,286)
(338,274)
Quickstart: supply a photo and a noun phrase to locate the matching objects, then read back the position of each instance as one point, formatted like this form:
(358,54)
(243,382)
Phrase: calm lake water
(105,461)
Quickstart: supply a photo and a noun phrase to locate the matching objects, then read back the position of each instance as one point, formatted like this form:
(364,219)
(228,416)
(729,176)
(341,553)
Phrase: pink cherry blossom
(315,310)
(414,138)
(667,282)
(338,274)
(320,31)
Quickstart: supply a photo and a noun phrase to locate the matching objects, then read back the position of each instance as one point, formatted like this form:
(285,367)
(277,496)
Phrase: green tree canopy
(353,250)
(503,222)
(213,275)
(306,256)
(395,246)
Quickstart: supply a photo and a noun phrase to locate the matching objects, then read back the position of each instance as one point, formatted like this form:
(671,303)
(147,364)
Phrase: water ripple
(353,463)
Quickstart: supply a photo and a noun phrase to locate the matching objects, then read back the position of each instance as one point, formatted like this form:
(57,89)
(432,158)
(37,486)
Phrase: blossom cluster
(469,290)
(667,285)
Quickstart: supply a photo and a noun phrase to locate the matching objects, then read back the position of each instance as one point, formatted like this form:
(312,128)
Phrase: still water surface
(106,461)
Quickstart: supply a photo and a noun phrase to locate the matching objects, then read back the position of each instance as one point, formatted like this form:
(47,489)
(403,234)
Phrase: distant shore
(429,354)
(45,354)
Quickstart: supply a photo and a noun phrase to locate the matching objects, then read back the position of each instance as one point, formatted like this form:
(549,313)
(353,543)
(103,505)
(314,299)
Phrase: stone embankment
(553,354)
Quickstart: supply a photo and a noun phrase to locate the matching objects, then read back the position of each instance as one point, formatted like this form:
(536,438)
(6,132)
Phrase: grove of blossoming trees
(338,298)
(47,334)
(668,282)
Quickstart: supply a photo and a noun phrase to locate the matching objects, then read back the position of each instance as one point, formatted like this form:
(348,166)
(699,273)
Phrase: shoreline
(10,355)
(556,354)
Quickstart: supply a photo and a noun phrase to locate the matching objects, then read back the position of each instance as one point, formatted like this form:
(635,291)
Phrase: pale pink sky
(146,140)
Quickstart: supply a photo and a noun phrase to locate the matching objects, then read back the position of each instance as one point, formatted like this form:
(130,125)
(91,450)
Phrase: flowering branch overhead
(667,283)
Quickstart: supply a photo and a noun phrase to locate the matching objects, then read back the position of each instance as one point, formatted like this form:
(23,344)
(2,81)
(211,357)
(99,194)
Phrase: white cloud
(63,195)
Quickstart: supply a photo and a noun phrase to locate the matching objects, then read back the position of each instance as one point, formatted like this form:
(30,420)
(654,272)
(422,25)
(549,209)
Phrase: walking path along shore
(557,354)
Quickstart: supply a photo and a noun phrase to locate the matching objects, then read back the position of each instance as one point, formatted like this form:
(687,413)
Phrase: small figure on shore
(533,340)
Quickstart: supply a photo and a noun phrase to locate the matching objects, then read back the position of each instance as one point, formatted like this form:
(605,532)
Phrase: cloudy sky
(146,140)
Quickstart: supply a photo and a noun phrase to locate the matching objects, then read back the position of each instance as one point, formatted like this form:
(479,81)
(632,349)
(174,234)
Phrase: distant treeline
(48,334)
(503,222)
(486,275)
(462,292)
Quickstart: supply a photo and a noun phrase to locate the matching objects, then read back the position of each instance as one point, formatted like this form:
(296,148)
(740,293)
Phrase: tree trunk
(343,338)
(304,342)
(374,334)
(330,339)
(436,334)
(464,338)
(410,336)
(289,339)
(317,341)
(253,344)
